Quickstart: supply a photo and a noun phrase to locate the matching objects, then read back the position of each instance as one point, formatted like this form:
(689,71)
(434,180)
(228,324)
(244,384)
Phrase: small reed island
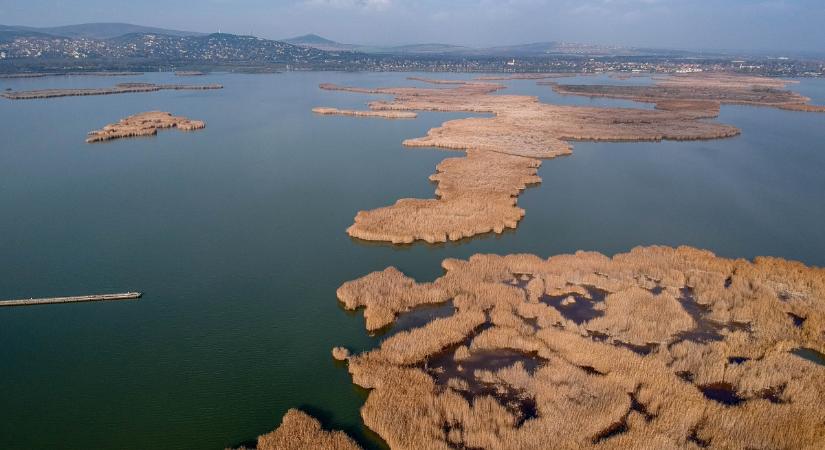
(354,113)
(659,348)
(121,88)
(69,74)
(530,76)
(143,124)
(189,73)
(477,193)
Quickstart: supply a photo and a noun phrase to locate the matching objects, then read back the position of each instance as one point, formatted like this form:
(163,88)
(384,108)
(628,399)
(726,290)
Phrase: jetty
(77,299)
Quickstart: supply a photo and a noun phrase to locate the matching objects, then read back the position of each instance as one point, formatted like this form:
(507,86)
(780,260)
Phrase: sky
(792,25)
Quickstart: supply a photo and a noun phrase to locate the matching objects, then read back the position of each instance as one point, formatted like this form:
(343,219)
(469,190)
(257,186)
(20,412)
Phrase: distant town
(25,50)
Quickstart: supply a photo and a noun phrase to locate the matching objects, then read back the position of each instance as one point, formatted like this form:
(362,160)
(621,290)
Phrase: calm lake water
(236,235)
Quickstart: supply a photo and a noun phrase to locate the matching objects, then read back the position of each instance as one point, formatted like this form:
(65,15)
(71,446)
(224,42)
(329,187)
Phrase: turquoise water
(236,235)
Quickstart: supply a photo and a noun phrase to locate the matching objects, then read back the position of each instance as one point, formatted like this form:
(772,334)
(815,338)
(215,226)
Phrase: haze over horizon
(769,25)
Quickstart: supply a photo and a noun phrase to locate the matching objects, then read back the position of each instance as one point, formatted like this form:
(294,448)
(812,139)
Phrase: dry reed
(299,431)
(507,370)
(143,124)
(477,194)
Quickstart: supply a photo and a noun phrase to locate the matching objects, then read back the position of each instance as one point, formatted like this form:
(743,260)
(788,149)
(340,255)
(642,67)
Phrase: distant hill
(93,30)
(419,49)
(10,33)
(106,31)
(534,49)
(553,48)
(320,43)
(137,48)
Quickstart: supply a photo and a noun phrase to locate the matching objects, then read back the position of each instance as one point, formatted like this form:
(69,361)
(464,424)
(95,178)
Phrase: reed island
(120,88)
(354,113)
(660,347)
(671,348)
(477,193)
(143,124)
(702,92)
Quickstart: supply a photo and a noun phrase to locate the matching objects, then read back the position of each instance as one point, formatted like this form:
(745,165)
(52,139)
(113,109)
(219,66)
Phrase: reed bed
(701,92)
(569,385)
(477,193)
(120,88)
(354,113)
(300,431)
(143,124)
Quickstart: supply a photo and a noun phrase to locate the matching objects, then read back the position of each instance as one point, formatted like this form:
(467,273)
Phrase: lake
(236,235)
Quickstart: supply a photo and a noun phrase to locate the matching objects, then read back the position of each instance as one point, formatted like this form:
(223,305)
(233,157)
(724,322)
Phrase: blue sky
(690,24)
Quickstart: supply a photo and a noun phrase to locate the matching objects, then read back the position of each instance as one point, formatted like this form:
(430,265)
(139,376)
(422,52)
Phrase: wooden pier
(78,299)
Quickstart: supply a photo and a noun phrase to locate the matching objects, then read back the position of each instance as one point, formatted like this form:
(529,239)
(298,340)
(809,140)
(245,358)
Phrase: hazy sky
(690,24)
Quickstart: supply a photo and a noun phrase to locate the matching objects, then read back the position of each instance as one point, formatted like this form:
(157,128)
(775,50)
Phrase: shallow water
(810,355)
(236,235)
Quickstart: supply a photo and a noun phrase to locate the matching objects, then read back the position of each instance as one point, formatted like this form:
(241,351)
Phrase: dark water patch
(736,360)
(443,367)
(620,426)
(642,350)
(598,336)
(445,355)
(582,309)
(532,322)
(249,444)
(798,321)
(358,432)
(810,354)
(639,407)
(721,392)
(447,428)
(656,290)
(706,330)
(738,326)
(590,370)
(728,281)
(419,316)
(773,394)
(520,280)
(614,429)
(694,437)
(685,375)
